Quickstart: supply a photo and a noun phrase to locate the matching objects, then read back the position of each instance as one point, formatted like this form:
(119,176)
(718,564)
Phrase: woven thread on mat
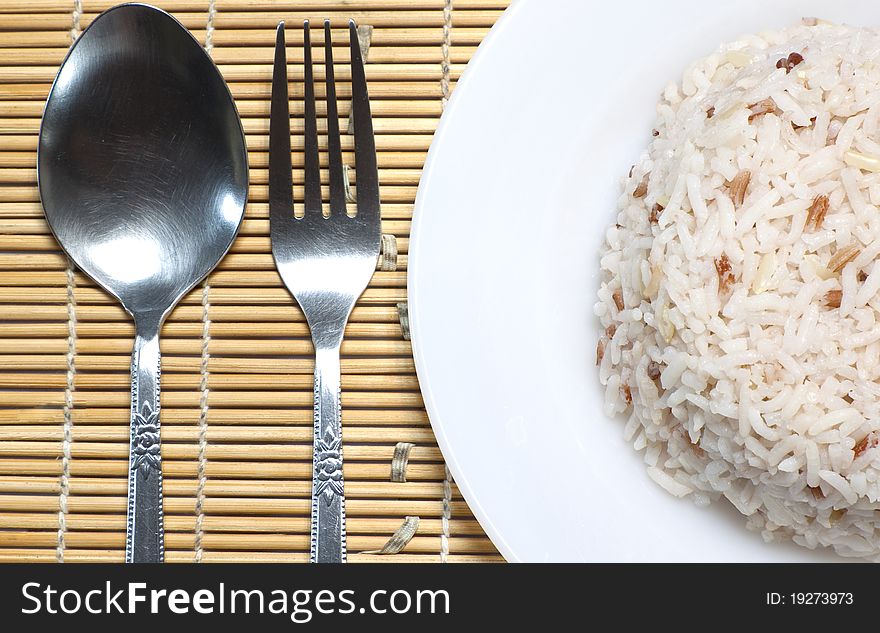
(75,16)
(400,538)
(209,27)
(64,483)
(203,421)
(400,461)
(447,514)
(202,474)
(445,44)
(444,90)
(403,317)
(350,194)
(388,253)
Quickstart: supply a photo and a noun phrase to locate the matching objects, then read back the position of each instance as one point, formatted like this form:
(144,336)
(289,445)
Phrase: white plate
(517,191)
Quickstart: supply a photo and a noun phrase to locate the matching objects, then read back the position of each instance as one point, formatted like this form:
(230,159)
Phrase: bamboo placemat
(237,383)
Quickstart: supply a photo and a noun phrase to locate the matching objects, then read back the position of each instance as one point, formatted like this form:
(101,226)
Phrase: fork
(325,260)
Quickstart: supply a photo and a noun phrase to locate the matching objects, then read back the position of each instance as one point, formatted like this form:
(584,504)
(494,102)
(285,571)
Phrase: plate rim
(412,289)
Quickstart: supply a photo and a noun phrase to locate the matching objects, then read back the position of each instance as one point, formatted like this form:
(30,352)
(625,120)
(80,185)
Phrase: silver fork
(326,261)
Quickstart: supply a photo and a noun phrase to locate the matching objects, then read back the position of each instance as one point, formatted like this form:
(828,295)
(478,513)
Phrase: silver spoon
(143,176)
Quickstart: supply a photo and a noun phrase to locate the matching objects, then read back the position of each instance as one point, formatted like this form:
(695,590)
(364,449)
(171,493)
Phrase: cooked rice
(768,393)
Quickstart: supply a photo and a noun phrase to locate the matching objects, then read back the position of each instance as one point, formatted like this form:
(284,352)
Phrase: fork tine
(364,145)
(334,145)
(312,186)
(280,181)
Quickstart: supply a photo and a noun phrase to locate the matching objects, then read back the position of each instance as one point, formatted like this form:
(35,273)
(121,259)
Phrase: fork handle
(145,529)
(328,485)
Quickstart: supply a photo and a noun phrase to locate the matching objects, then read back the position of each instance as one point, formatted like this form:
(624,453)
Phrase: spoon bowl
(142,162)
(143,175)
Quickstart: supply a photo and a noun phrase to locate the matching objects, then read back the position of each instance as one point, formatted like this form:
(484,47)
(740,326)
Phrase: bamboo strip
(30,469)
(23,476)
(184,541)
(111,493)
(299,543)
(470,28)
(239,261)
(244,29)
(92,493)
(396,72)
(219,313)
(220,434)
(275,5)
(261,452)
(386,160)
(422,544)
(250,226)
(255,212)
(242,90)
(59,23)
(245,90)
(406,47)
(190,381)
(381,125)
(17,159)
(220,329)
(79,521)
(219,296)
(243,367)
(250,347)
(17,140)
(390,177)
(269,508)
(25,112)
(102,522)
(311,5)
(403,140)
(218,416)
(176,6)
(360,536)
(242,399)
(230,527)
(221,279)
(24,555)
(257,193)
(269,513)
(38,92)
(358,525)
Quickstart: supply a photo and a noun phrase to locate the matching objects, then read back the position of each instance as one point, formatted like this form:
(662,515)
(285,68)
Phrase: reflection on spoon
(130,257)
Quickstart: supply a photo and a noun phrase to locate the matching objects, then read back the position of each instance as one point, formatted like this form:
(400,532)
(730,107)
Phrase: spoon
(143,175)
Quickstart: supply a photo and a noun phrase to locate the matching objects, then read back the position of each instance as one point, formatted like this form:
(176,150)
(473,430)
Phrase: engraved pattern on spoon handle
(145,534)
(328,484)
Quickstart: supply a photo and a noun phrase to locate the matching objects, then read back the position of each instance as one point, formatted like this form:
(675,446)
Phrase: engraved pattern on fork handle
(328,485)
(145,533)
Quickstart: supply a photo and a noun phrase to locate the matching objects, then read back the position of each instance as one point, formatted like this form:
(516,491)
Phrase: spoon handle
(328,494)
(145,534)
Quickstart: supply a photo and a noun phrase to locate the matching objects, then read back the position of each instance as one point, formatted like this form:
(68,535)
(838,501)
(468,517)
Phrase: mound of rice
(740,296)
